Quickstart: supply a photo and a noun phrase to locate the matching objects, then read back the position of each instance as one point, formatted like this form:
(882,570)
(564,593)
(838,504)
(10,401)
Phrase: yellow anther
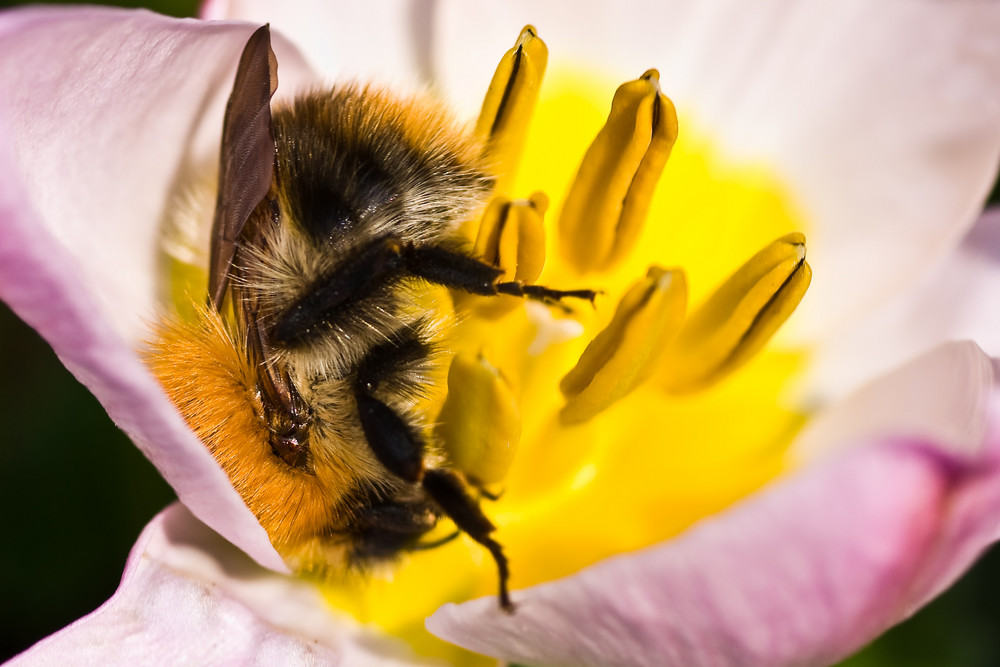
(509,104)
(480,422)
(625,354)
(607,203)
(739,317)
(512,236)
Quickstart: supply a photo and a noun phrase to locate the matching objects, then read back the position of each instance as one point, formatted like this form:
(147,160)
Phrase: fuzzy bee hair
(334,243)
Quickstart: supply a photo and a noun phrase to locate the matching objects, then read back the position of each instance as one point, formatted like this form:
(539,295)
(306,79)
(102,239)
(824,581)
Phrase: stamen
(480,422)
(737,320)
(512,236)
(625,354)
(608,201)
(509,103)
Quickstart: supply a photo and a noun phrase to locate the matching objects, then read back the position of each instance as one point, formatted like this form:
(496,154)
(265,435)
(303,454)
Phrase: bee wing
(246,166)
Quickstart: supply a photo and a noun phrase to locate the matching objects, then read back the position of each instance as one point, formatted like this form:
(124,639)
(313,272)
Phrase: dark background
(76,495)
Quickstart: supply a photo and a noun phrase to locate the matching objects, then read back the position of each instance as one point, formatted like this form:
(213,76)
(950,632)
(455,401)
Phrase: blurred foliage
(78,494)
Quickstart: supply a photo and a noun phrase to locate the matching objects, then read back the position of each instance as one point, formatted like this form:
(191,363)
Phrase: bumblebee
(303,374)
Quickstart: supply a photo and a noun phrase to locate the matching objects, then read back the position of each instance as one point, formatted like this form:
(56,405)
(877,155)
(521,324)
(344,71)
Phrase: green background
(76,495)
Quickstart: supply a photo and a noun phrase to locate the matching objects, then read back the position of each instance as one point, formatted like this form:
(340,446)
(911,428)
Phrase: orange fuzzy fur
(203,369)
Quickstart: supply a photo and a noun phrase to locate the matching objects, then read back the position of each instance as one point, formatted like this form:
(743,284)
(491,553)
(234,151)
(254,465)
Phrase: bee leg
(400,449)
(376,264)
(448,491)
(399,446)
(452,269)
(387,259)
(458,271)
(542,293)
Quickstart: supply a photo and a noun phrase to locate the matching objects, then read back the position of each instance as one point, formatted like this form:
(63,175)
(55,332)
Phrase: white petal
(385,41)
(954,300)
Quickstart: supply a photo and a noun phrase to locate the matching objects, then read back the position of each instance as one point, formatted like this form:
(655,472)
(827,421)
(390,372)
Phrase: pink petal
(189,597)
(100,112)
(803,573)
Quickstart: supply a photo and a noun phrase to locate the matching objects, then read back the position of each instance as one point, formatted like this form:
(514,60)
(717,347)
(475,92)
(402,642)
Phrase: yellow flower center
(613,427)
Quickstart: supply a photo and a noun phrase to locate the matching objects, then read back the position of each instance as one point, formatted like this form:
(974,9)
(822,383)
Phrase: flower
(891,502)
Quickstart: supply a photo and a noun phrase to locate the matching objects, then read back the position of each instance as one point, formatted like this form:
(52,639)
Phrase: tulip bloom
(743,519)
